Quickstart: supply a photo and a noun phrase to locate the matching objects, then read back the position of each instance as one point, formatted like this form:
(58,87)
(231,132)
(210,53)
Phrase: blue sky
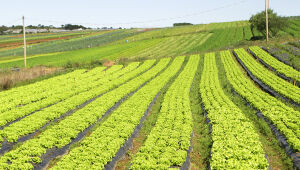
(136,13)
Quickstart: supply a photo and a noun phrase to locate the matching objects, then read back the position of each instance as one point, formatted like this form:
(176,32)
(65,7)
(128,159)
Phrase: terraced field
(15,41)
(92,119)
(79,40)
(142,43)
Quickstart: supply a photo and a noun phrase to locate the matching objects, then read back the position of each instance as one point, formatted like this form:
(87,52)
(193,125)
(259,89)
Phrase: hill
(61,49)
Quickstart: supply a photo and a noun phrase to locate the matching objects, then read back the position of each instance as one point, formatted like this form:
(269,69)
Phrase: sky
(136,13)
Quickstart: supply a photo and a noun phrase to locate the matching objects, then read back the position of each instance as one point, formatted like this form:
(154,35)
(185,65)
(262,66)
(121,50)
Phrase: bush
(181,24)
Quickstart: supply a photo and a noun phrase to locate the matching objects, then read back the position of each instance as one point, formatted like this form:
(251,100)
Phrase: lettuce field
(231,109)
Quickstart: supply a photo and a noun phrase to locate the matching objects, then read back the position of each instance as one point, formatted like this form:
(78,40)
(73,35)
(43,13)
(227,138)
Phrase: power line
(143,22)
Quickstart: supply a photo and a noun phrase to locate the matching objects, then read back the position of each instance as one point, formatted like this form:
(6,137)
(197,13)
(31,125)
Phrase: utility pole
(24,33)
(267,22)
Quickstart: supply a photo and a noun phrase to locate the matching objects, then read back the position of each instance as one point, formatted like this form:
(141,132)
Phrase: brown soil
(8,48)
(20,35)
(17,44)
(137,143)
(29,35)
(123,163)
(109,63)
(196,156)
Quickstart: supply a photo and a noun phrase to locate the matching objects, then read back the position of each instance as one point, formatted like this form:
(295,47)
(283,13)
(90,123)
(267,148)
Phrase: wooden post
(267,22)
(24,33)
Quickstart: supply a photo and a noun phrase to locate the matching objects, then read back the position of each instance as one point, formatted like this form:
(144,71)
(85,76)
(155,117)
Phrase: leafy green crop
(169,140)
(236,145)
(20,106)
(67,129)
(103,144)
(272,80)
(280,67)
(285,118)
(93,88)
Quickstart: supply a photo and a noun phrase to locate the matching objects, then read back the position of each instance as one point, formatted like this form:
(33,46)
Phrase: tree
(2,29)
(276,23)
(72,27)
(181,24)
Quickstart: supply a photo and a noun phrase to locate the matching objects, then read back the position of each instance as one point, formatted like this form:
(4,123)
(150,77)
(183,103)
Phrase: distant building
(57,30)
(33,31)
(15,31)
(36,30)
(7,31)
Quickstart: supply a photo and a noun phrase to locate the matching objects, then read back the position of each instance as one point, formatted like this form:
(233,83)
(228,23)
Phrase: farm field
(157,85)
(219,109)
(288,53)
(15,41)
(81,39)
(207,96)
(93,46)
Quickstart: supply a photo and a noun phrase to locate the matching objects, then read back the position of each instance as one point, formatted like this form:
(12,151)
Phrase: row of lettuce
(103,144)
(280,67)
(23,101)
(285,118)
(235,142)
(34,121)
(169,140)
(236,145)
(269,78)
(67,129)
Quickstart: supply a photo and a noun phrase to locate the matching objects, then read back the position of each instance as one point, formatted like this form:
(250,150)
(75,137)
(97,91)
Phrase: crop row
(276,83)
(193,29)
(53,88)
(280,67)
(67,129)
(174,46)
(89,40)
(103,144)
(37,120)
(169,140)
(20,95)
(43,36)
(236,145)
(70,90)
(111,45)
(285,118)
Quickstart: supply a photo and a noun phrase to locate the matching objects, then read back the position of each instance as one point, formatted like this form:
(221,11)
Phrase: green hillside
(136,44)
